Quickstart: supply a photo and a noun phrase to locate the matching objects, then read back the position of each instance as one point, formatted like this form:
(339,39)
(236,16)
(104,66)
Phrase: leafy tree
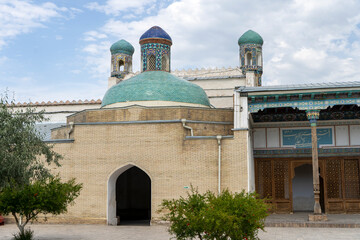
(21,146)
(209,216)
(27,187)
(47,196)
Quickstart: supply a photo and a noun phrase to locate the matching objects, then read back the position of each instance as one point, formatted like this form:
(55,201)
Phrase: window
(258,57)
(121,66)
(151,63)
(165,63)
(248,59)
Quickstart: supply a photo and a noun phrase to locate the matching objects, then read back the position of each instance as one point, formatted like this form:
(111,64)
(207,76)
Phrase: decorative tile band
(158,50)
(304,104)
(300,152)
(115,64)
(255,51)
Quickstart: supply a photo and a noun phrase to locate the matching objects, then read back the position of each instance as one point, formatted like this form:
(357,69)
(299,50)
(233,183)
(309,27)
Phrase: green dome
(155,86)
(250,37)
(122,46)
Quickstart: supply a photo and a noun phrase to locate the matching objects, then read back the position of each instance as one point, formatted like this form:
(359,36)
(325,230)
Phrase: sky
(59,50)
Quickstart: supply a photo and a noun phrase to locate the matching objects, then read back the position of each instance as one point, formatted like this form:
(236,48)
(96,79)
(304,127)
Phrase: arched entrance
(129,196)
(133,193)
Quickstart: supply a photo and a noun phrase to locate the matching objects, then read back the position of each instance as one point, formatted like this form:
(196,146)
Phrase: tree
(27,186)
(46,196)
(209,216)
(21,146)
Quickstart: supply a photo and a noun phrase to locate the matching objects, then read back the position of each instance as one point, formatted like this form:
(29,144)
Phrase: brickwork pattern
(160,150)
(143,114)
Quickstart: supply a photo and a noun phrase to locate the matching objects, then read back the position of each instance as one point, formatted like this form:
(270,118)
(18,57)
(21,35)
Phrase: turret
(121,61)
(155,50)
(251,62)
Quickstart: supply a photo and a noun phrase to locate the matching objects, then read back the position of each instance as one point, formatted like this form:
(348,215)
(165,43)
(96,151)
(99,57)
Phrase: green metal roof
(156,86)
(330,86)
(122,46)
(250,37)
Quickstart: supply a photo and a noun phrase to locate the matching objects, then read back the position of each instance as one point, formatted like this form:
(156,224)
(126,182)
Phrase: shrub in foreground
(49,196)
(209,216)
(26,235)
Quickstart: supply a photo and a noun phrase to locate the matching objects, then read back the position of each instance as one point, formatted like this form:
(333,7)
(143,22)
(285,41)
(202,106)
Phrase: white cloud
(93,36)
(98,60)
(17,17)
(115,7)
(311,58)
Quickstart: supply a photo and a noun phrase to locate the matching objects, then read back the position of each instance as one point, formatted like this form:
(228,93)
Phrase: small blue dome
(155,32)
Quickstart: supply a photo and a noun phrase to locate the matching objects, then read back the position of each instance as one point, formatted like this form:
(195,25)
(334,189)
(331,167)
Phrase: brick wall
(158,149)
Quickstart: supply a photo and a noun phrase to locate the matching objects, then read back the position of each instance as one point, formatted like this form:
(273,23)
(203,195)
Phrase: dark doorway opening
(302,189)
(133,197)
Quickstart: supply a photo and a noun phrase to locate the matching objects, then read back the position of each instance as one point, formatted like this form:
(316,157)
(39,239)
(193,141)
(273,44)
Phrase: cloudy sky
(59,50)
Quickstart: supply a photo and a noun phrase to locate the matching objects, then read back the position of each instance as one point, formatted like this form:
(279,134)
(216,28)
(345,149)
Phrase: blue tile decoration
(306,152)
(303,104)
(301,138)
(155,32)
(251,42)
(158,50)
(121,50)
(115,58)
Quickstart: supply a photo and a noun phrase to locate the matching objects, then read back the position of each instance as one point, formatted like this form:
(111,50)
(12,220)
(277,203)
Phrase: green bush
(50,196)
(26,235)
(209,216)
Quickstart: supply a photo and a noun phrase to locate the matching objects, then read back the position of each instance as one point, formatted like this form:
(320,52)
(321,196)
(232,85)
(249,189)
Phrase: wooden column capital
(313,115)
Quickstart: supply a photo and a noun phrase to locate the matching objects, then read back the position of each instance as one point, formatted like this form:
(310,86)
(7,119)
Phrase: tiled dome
(122,46)
(250,37)
(156,86)
(155,32)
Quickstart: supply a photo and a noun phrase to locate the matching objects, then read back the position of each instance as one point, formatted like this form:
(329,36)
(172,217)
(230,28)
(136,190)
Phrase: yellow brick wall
(158,149)
(143,114)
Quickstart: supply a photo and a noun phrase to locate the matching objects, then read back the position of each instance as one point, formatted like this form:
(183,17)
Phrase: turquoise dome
(250,37)
(155,86)
(122,46)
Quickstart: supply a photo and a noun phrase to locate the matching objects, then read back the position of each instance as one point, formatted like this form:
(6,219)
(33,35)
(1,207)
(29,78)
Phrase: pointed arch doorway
(129,197)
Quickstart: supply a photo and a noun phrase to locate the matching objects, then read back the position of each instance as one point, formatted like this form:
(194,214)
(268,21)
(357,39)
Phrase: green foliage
(26,235)
(49,196)
(208,216)
(27,187)
(21,146)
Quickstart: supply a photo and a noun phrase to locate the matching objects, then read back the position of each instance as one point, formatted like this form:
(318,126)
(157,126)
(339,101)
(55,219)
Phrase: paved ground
(301,220)
(103,232)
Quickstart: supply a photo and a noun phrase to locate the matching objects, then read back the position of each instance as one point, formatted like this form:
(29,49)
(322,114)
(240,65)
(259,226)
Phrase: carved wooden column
(313,116)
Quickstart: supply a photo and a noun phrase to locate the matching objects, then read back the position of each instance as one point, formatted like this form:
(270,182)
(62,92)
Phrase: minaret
(121,61)
(251,62)
(155,50)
